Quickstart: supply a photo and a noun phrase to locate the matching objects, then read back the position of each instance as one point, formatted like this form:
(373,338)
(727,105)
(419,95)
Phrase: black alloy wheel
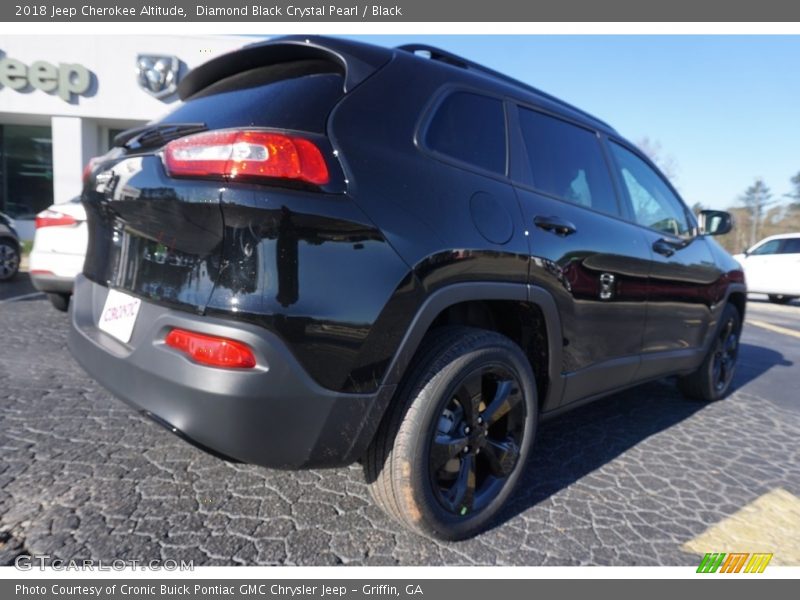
(476,444)
(453,444)
(726,352)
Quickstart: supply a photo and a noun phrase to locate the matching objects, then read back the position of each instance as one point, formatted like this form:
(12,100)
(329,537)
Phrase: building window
(26,170)
(112,133)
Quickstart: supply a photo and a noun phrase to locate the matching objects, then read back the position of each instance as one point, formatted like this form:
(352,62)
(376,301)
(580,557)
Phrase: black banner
(308,11)
(363,589)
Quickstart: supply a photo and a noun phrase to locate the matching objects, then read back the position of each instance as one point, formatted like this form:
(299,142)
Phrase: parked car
(59,249)
(772,267)
(334,252)
(10,248)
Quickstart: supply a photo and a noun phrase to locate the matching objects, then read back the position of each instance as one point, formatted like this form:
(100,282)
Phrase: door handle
(668,247)
(555,225)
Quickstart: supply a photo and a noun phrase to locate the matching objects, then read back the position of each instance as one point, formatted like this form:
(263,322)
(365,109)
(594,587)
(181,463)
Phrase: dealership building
(64,98)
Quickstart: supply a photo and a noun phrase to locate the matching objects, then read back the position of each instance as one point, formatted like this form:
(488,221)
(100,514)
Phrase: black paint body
(345,279)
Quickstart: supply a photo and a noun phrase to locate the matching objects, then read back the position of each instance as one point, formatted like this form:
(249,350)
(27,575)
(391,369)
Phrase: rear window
(292,95)
(470,128)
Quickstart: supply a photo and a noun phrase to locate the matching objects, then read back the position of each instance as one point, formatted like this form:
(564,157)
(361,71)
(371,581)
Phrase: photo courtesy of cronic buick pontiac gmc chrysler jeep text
(333,252)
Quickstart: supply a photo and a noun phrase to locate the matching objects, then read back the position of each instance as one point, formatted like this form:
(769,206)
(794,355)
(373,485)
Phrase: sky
(726,109)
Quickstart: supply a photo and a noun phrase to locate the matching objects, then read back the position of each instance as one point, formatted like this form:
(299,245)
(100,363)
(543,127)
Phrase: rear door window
(566,161)
(471,129)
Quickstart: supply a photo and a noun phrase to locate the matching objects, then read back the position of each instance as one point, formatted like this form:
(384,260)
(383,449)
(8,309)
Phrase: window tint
(566,161)
(791,246)
(770,247)
(470,128)
(653,202)
(293,95)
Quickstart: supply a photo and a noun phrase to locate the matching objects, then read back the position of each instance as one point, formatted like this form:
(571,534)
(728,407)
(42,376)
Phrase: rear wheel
(712,381)
(59,301)
(454,444)
(9,259)
(780,298)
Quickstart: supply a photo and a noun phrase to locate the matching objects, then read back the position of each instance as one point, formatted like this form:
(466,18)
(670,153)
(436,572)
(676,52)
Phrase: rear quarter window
(471,129)
(292,95)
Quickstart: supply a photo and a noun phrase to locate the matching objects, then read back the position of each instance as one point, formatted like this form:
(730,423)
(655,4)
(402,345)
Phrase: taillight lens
(53,218)
(212,350)
(246,155)
(87,170)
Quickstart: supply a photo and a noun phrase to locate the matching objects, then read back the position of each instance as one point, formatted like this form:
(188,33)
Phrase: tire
(59,301)
(712,380)
(9,259)
(425,466)
(780,298)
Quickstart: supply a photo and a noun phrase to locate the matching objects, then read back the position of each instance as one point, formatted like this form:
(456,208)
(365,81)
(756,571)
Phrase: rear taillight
(53,218)
(87,170)
(212,350)
(246,155)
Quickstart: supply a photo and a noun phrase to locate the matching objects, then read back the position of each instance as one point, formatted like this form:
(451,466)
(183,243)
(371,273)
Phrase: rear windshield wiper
(151,136)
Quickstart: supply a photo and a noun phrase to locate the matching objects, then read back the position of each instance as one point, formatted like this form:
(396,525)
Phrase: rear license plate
(119,315)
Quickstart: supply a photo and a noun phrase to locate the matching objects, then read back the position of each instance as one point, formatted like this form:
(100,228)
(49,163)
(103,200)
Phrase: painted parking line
(775,328)
(771,523)
(23,297)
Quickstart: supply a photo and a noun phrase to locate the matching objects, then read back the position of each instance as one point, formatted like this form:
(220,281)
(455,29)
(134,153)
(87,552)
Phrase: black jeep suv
(333,252)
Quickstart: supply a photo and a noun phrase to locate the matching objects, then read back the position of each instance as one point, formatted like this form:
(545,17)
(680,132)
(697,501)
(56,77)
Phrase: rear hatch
(255,117)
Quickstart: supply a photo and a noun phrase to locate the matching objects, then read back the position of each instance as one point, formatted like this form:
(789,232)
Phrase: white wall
(115,93)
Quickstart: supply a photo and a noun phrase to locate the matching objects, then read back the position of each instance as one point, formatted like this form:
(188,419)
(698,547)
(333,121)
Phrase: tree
(665,162)
(755,199)
(795,193)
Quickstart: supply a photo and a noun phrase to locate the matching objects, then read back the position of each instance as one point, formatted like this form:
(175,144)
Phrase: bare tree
(795,193)
(665,162)
(755,199)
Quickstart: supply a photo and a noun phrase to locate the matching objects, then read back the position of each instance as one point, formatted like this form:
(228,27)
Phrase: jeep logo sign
(65,79)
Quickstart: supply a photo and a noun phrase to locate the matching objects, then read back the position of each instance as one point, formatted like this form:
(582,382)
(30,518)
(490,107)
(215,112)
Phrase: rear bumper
(56,266)
(52,284)
(274,415)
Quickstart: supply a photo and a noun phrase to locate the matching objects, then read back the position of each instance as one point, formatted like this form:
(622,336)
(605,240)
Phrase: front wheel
(712,381)
(454,444)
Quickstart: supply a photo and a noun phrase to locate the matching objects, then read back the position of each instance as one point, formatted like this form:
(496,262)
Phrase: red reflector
(246,155)
(212,350)
(53,218)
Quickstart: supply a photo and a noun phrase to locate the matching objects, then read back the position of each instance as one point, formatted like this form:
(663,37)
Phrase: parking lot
(640,478)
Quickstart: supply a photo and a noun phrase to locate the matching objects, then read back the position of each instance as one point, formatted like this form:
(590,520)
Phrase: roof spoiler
(358,61)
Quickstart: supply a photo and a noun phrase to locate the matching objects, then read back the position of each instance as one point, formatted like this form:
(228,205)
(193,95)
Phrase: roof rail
(459,61)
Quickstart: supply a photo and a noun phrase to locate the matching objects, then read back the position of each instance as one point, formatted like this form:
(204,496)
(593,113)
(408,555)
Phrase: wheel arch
(498,307)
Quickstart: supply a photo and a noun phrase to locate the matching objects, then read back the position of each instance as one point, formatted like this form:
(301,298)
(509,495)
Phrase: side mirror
(714,222)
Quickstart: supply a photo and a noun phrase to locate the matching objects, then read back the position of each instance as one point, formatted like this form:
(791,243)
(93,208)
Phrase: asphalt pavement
(640,478)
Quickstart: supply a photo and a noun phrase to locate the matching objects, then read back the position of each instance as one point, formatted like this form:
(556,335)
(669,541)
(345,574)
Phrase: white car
(59,249)
(772,267)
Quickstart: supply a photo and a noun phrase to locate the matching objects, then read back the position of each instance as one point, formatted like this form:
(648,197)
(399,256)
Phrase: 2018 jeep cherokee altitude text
(334,252)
